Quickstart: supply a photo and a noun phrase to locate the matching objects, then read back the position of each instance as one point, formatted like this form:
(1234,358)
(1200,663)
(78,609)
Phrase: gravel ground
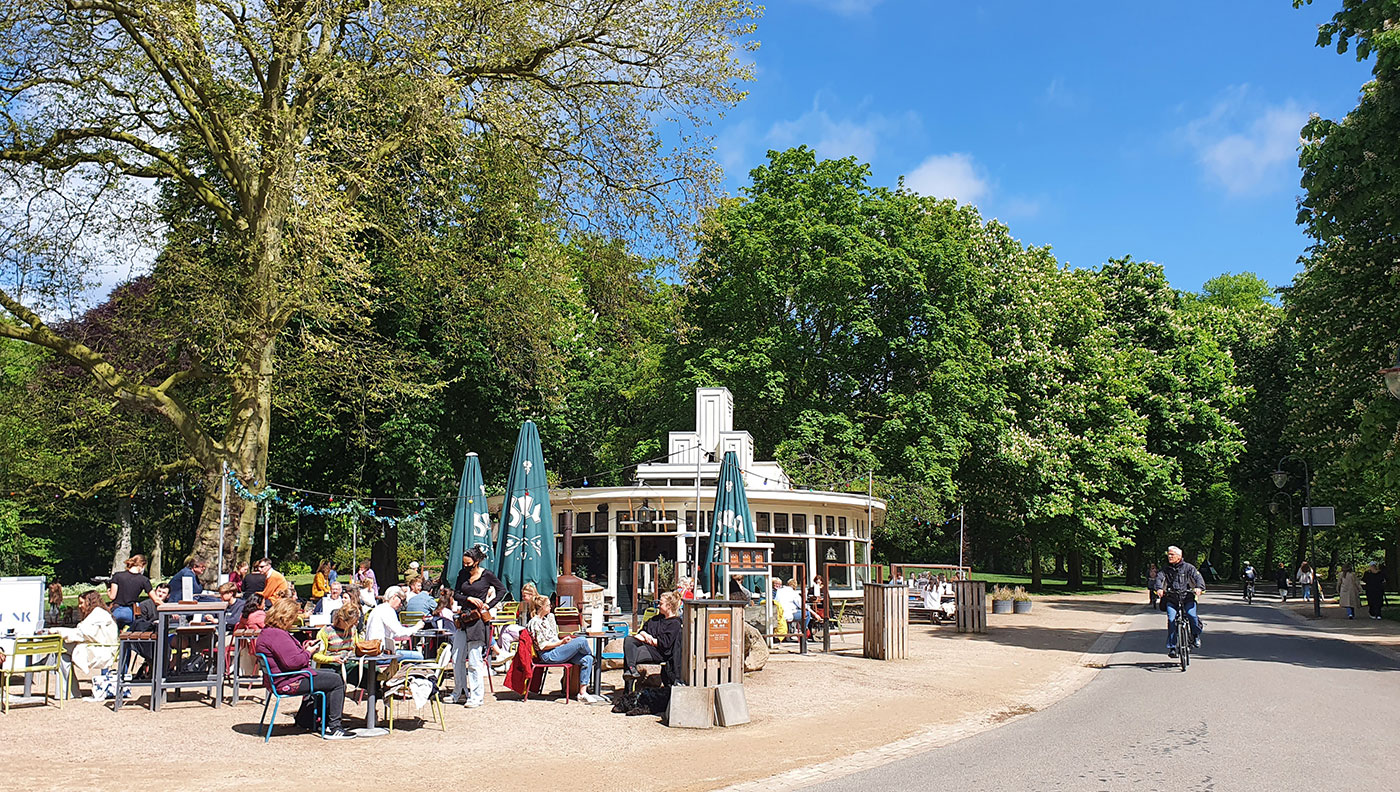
(804,709)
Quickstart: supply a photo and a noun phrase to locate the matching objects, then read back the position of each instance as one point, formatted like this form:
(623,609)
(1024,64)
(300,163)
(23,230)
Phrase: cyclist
(1179,584)
(1248,577)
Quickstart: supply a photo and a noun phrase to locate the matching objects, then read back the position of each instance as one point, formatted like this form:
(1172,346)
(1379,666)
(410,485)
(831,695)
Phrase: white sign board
(1321,516)
(21,605)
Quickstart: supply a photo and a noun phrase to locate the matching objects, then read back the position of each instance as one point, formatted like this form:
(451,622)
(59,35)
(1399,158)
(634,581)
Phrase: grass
(1052,585)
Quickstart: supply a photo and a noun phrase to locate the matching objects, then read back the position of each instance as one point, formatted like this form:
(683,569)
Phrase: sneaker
(1198,643)
(1171,653)
(339,734)
(472,704)
(589,698)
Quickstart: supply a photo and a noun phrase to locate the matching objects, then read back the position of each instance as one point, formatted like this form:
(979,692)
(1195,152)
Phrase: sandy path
(805,710)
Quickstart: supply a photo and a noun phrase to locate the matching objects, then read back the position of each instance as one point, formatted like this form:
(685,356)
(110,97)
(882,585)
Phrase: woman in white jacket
(92,645)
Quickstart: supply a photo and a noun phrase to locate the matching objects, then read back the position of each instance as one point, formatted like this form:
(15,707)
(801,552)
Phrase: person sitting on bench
(659,641)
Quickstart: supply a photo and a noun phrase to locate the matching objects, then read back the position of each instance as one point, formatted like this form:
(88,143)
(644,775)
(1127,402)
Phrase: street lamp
(1280,479)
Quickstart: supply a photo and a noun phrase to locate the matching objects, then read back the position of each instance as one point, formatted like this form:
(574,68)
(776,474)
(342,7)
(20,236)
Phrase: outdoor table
(595,685)
(369,681)
(214,679)
(430,635)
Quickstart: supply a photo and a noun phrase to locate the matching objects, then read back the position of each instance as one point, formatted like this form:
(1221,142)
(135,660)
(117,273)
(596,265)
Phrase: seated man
(332,601)
(228,592)
(194,569)
(419,601)
(659,641)
(383,625)
(791,599)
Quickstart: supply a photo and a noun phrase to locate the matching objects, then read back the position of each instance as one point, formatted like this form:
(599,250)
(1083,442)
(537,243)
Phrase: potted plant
(1001,599)
(1020,600)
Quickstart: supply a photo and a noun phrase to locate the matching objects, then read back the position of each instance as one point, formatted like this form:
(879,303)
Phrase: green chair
(435,670)
(31,647)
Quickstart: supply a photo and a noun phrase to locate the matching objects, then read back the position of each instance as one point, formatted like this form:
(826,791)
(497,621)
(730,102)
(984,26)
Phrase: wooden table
(214,680)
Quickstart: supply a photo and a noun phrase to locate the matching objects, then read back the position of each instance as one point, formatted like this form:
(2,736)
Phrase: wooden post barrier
(971,601)
(886,621)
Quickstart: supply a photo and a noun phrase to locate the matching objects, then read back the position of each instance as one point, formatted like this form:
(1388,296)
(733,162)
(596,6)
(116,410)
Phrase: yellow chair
(430,669)
(411,617)
(30,647)
(569,614)
(780,623)
(646,614)
(506,613)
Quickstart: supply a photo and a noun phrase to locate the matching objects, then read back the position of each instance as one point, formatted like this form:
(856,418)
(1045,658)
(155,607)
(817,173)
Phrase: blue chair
(270,681)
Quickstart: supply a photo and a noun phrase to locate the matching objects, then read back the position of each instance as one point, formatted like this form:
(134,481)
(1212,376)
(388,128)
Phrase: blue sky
(1165,131)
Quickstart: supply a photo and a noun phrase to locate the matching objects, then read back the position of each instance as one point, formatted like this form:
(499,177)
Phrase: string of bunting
(350,507)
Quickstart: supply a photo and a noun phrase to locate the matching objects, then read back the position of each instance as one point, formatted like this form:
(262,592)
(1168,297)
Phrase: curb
(1059,687)
(1390,653)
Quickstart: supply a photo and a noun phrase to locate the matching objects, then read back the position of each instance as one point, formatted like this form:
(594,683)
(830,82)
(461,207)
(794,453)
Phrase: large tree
(277,121)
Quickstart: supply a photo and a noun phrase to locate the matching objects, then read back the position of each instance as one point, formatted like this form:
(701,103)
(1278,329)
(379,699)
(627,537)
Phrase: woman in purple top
(285,654)
(365,577)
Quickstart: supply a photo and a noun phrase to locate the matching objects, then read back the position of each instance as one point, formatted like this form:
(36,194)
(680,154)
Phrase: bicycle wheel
(1183,642)
(1249,595)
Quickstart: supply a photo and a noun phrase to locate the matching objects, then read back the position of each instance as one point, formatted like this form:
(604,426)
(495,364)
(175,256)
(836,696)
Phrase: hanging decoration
(350,508)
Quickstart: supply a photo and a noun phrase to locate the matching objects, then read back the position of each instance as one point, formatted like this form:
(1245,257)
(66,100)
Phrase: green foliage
(21,552)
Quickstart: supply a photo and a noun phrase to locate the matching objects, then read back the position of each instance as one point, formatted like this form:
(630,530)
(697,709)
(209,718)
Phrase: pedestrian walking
(1305,579)
(1152,585)
(1374,583)
(1281,578)
(1348,591)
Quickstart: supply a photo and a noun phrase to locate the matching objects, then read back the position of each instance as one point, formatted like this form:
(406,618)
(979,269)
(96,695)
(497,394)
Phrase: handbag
(368,648)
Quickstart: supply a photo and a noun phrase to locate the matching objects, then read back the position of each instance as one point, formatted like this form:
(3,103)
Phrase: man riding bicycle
(1178,585)
(1248,577)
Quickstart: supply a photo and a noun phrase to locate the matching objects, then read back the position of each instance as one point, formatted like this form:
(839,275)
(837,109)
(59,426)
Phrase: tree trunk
(1300,552)
(1059,565)
(157,549)
(384,557)
(1035,564)
(1235,565)
(1270,532)
(1076,569)
(124,520)
(1099,571)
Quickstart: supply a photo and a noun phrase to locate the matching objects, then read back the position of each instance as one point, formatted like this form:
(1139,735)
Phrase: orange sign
(717,634)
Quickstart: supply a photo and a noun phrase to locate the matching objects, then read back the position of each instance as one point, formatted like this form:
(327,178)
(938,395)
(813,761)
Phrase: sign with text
(21,605)
(747,561)
(718,633)
(1320,516)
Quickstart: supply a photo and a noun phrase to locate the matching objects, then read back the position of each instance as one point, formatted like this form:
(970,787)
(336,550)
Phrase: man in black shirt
(255,581)
(658,642)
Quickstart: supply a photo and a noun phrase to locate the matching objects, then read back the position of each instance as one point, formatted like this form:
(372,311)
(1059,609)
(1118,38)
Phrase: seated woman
(659,641)
(285,654)
(553,649)
(90,646)
(254,614)
(144,620)
(337,640)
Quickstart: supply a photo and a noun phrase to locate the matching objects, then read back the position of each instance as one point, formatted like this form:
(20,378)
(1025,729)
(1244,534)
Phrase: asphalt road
(1265,705)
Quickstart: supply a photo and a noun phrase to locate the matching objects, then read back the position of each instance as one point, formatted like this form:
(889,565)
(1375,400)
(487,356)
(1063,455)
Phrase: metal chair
(270,682)
(30,647)
(431,669)
(411,617)
(539,669)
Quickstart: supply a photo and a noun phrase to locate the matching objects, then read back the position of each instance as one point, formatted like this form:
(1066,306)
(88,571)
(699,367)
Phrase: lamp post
(1280,479)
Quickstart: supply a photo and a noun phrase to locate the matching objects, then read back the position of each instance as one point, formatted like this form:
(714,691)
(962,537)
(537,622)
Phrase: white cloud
(1245,146)
(949,176)
(833,138)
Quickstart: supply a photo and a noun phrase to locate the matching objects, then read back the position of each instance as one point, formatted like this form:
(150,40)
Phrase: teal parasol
(471,520)
(733,523)
(525,549)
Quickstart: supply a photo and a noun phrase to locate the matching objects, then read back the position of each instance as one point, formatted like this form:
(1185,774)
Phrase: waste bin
(886,621)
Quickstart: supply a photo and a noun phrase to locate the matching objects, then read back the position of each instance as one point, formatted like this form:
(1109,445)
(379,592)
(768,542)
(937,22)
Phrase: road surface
(1266,704)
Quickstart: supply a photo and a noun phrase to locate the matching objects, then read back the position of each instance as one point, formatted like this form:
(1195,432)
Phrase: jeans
(1351,613)
(328,682)
(575,650)
(408,654)
(1307,591)
(123,616)
(468,669)
(1171,627)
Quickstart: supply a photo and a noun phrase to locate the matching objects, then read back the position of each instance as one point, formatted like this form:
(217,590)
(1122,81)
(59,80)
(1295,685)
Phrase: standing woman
(1305,579)
(1348,591)
(476,590)
(1374,583)
(365,577)
(321,583)
(126,589)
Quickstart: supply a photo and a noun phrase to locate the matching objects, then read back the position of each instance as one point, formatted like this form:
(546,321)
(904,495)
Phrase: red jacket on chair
(522,666)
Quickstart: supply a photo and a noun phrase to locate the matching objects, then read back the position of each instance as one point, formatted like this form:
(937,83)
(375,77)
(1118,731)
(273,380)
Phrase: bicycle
(1249,592)
(1182,625)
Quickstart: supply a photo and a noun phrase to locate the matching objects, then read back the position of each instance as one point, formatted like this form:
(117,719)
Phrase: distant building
(615,526)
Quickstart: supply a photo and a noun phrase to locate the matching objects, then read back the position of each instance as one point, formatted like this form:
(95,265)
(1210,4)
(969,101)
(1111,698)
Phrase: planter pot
(1022,606)
(1001,606)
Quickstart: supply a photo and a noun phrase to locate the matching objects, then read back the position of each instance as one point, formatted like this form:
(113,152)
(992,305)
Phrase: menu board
(718,633)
